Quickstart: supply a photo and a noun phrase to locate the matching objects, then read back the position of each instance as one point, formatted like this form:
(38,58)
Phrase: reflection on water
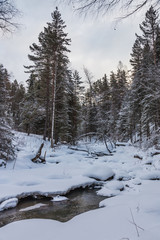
(79,201)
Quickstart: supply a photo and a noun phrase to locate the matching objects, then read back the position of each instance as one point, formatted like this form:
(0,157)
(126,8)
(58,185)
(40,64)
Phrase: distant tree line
(123,107)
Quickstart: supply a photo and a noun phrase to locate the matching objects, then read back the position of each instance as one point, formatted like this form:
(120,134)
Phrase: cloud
(95,42)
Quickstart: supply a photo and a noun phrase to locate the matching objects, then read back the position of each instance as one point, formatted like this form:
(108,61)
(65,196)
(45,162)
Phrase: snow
(154,175)
(122,175)
(32,207)
(10,203)
(59,198)
(100,172)
(133,195)
(111,189)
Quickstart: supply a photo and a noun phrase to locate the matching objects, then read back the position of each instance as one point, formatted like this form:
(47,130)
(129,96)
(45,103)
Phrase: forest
(79,156)
(58,104)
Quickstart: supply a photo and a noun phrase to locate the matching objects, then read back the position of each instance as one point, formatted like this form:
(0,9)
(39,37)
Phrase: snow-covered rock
(136,181)
(153,175)
(10,203)
(106,192)
(111,189)
(122,175)
(100,172)
(115,185)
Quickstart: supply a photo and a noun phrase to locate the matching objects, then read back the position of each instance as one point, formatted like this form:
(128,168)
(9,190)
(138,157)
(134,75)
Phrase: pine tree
(122,83)
(114,104)
(51,66)
(89,113)
(105,106)
(157,45)
(75,106)
(57,42)
(62,124)
(17,94)
(125,123)
(32,111)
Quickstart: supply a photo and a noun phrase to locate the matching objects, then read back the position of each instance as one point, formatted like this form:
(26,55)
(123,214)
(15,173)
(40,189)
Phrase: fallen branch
(137,156)
(134,223)
(78,149)
(38,158)
(98,154)
(120,144)
(101,154)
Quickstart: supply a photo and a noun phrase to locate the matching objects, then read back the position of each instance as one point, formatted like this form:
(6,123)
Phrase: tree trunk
(53,101)
(47,111)
(47,105)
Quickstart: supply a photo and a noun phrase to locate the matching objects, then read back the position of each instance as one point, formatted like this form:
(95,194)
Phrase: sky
(98,43)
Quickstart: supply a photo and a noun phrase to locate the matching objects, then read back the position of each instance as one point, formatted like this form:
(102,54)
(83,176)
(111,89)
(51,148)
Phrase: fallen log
(155,153)
(120,144)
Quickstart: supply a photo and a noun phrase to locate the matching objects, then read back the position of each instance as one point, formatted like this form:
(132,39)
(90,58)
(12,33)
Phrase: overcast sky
(96,44)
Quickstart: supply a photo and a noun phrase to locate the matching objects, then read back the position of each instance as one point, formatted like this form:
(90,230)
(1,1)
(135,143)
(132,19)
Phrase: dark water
(79,201)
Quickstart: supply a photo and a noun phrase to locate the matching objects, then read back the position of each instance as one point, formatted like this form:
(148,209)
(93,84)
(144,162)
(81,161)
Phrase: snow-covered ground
(132,212)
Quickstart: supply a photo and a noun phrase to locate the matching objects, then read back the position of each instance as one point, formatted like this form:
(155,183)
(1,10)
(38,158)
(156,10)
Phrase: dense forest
(124,106)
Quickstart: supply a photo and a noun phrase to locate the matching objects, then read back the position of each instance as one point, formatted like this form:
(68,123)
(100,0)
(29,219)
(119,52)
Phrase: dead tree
(38,158)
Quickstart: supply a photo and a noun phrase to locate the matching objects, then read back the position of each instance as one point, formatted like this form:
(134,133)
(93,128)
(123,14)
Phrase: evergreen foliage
(57,89)
(145,81)
(127,107)
(17,94)
(6,136)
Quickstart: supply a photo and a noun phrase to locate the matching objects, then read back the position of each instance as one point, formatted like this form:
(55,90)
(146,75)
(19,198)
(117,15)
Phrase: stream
(79,201)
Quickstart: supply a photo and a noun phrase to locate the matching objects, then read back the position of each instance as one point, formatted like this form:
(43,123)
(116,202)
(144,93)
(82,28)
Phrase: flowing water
(79,201)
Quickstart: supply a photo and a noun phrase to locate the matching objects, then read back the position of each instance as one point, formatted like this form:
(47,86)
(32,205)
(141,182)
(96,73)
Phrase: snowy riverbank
(131,212)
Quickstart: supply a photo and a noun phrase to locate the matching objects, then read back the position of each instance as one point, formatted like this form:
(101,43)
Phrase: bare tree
(8,12)
(103,6)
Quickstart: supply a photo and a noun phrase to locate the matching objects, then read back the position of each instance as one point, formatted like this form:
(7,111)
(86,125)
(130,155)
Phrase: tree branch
(104,6)
(8,12)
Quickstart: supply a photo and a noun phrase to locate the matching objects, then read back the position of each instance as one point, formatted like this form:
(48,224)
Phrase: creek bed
(79,201)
